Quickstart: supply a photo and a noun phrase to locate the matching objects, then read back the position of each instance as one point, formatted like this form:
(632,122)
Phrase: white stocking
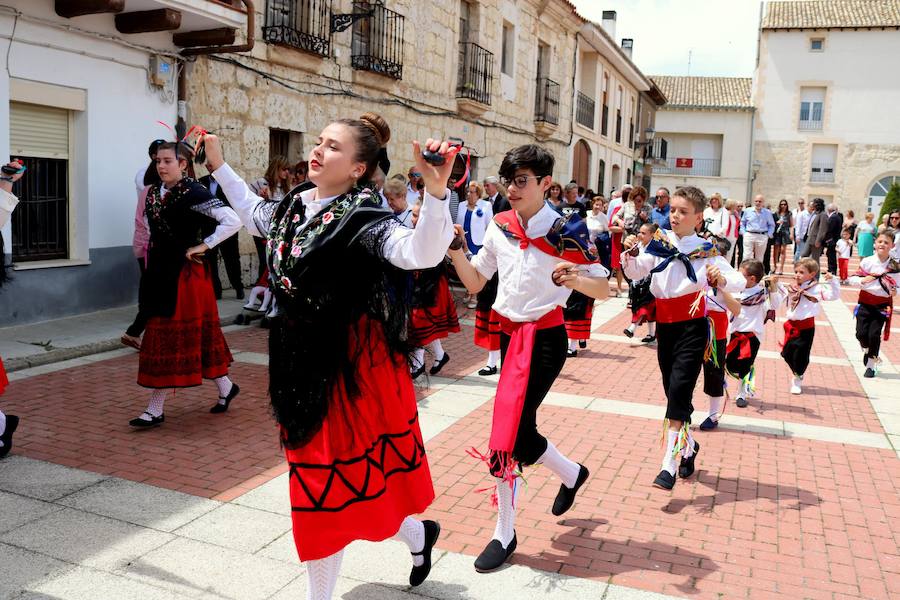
(323,575)
(437,350)
(565,469)
(573,344)
(493,358)
(224,384)
(2,425)
(418,358)
(651,328)
(632,327)
(668,462)
(157,402)
(689,451)
(506,511)
(412,533)
(715,407)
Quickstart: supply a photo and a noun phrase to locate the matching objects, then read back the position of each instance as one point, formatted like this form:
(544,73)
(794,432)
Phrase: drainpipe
(750,176)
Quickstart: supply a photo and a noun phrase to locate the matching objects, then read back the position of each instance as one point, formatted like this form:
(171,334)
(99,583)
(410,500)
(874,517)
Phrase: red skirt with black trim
(188,347)
(429,323)
(365,470)
(487,329)
(644,314)
(4,381)
(578,313)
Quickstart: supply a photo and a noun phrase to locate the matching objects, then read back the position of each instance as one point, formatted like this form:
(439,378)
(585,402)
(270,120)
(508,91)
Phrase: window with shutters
(812,108)
(39,135)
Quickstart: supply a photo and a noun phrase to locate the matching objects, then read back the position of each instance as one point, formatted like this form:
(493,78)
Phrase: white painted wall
(111,136)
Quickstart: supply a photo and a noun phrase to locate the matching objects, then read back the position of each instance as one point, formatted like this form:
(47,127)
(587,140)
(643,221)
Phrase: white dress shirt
(802,217)
(420,248)
(526,291)
(228,221)
(752,319)
(806,308)
(597,223)
(871,264)
(716,220)
(673,281)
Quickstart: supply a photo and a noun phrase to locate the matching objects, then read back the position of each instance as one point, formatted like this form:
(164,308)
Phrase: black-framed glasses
(521,181)
(660,196)
(897,217)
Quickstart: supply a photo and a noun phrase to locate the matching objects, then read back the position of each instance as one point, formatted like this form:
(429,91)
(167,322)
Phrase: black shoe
(628,333)
(418,372)
(686,468)
(741,402)
(152,422)
(12,422)
(488,371)
(435,369)
(571,353)
(582,344)
(420,573)
(708,424)
(494,555)
(664,480)
(869,373)
(220,408)
(239,293)
(264,323)
(565,498)
(648,339)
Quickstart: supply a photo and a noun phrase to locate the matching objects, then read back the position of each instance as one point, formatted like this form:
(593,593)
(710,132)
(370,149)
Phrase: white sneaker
(795,386)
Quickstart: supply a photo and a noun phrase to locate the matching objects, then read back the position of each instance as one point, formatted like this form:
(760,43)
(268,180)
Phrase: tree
(891,202)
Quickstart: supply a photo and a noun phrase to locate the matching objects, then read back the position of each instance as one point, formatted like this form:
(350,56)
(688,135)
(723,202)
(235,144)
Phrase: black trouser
(140,320)
(738,256)
(796,351)
(260,243)
(831,256)
(713,376)
(547,359)
(767,257)
(740,367)
(680,348)
(870,321)
(231,256)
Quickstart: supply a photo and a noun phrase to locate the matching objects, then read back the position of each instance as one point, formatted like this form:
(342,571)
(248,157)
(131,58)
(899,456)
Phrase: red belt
(882,302)
(792,329)
(741,339)
(720,322)
(680,308)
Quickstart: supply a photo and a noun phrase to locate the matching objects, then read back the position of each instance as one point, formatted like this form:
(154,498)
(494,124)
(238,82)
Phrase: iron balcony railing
(546,103)
(40,224)
(584,110)
(657,150)
(821,173)
(378,40)
(301,24)
(476,73)
(810,125)
(604,120)
(696,167)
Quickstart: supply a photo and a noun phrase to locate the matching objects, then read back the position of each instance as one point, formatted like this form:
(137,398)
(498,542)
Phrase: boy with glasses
(540,258)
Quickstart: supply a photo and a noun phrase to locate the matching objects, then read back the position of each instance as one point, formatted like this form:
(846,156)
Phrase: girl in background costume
(339,378)
(8,423)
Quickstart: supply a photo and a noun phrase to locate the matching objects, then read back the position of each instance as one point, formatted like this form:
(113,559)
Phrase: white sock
(437,350)
(715,407)
(224,384)
(412,533)
(566,469)
(493,358)
(651,328)
(668,462)
(689,451)
(870,364)
(632,327)
(157,402)
(323,575)
(573,344)
(2,425)
(418,358)
(506,511)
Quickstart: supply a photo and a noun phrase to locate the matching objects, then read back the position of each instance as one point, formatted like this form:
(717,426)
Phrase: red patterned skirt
(644,314)
(429,323)
(487,329)
(578,313)
(365,470)
(188,347)
(4,381)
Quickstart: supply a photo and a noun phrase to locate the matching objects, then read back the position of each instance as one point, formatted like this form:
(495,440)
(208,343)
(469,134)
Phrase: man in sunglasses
(660,212)
(414,187)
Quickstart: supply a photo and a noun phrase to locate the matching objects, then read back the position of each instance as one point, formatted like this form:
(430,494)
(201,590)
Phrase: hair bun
(378,125)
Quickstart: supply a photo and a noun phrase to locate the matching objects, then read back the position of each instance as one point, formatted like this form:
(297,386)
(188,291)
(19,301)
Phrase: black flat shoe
(741,402)
(628,333)
(220,408)
(870,373)
(565,498)
(494,555)
(239,293)
(418,372)
(708,424)
(571,353)
(664,480)
(12,422)
(152,422)
(435,369)
(420,573)
(648,339)
(582,344)
(488,371)
(686,468)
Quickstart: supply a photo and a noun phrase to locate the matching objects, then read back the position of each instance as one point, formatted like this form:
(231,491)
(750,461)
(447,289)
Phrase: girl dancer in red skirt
(339,377)
(8,423)
(183,342)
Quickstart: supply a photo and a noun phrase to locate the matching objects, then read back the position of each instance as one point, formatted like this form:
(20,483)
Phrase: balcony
(584,110)
(809,125)
(821,173)
(604,120)
(691,167)
(377,44)
(301,24)
(656,151)
(546,102)
(476,74)
(618,127)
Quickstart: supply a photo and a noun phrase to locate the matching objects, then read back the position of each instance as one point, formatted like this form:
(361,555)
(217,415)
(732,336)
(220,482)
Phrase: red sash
(3,380)
(720,322)
(678,309)
(513,383)
(792,329)
(882,302)
(741,340)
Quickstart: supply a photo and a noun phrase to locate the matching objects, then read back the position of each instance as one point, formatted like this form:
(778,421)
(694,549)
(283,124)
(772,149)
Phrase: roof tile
(705,92)
(831,14)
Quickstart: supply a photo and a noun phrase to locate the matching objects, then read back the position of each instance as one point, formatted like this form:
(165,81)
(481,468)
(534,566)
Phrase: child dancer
(577,314)
(487,325)
(718,304)
(844,247)
(534,250)
(682,266)
(878,277)
(8,423)
(643,304)
(802,298)
(433,314)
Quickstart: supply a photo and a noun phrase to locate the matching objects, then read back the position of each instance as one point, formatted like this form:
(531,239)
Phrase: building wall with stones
(242,97)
